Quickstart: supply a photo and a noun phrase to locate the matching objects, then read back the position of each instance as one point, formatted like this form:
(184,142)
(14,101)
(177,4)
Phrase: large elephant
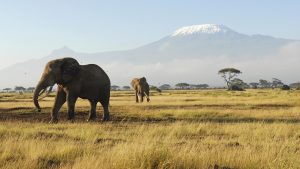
(141,88)
(74,80)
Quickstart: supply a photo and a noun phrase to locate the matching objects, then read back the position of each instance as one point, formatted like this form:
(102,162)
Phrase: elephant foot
(105,118)
(71,119)
(53,121)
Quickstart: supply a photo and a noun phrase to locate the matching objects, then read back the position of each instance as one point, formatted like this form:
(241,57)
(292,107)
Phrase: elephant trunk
(36,95)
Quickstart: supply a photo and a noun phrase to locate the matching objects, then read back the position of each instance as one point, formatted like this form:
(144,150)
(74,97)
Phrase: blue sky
(33,28)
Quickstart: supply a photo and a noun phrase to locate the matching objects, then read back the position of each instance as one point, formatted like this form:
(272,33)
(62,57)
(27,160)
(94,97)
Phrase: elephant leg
(60,99)
(106,113)
(136,97)
(71,100)
(92,115)
(147,96)
(104,100)
(142,97)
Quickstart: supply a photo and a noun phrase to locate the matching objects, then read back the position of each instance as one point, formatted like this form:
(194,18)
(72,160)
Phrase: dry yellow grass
(178,129)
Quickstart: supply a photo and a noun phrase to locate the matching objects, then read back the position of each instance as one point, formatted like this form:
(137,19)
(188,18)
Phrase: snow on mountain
(208,41)
(205,28)
(190,54)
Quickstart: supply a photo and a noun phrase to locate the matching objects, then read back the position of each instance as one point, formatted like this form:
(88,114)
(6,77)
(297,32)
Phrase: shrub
(285,87)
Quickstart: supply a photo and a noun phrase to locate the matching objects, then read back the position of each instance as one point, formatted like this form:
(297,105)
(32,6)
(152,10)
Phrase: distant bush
(126,87)
(165,87)
(285,87)
(236,88)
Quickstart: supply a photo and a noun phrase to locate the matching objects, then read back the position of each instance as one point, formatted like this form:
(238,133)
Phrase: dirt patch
(121,116)
(31,115)
(46,136)
(54,136)
(233,144)
(108,140)
(181,143)
(48,163)
(19,109)
(270,106)
(220,167)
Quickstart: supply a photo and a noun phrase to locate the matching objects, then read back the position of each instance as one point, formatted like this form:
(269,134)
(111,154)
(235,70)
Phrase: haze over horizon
(32,29)
(192,54)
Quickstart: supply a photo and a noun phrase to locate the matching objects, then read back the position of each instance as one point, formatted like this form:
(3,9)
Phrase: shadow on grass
(205,120)
(31,115)
(235,106)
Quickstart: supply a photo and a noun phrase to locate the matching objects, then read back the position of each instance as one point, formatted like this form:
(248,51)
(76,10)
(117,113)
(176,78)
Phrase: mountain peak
(204,29)
(62,51)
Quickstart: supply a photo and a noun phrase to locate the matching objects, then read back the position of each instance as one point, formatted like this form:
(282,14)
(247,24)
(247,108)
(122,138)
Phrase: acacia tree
(20,88)
(182,85)
(254,85)
(264,83)
(7,89)
(276,83)
(153,87)
(228,74)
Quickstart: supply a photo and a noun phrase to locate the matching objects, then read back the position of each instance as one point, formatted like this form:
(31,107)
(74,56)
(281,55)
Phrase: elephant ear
(69,68)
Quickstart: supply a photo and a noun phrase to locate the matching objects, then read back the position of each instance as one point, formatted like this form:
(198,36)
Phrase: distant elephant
(74,80)
(141,88)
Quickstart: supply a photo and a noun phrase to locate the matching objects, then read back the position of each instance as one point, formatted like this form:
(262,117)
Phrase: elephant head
(59,71)
(145,87)
(143,80)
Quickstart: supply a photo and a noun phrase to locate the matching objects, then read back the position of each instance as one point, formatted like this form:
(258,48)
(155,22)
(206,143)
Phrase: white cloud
(284,65)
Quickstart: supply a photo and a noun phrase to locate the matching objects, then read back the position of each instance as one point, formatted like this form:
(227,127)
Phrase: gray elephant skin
(74,81)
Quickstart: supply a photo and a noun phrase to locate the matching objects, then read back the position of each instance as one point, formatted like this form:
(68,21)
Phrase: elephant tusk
(47,94)
(43,91)
(146,95)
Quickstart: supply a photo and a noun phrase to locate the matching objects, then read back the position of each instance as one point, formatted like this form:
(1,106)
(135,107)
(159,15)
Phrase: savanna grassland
(177,129)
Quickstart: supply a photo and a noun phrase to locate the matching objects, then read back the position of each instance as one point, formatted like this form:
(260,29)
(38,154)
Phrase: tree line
(19,89)
(185,86)
(230,76)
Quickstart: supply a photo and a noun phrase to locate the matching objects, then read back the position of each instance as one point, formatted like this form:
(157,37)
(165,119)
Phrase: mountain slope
(201,41)
(186,53)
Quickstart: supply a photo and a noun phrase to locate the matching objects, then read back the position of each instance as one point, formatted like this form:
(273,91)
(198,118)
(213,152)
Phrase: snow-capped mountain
(201,29)
(209,40)
(192,54)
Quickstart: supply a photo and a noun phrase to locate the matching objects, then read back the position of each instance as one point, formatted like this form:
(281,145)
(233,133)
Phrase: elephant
(74,80)
(141,88)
